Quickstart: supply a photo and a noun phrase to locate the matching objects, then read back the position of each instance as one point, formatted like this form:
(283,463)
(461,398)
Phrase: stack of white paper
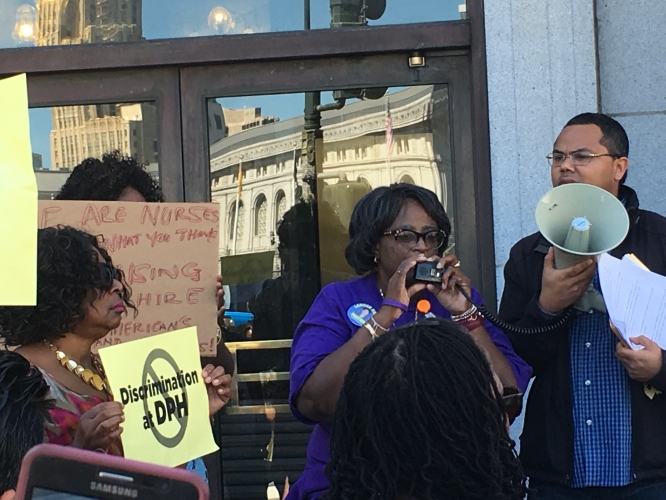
(635,299)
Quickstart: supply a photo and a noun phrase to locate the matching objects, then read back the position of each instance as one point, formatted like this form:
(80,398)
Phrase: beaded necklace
(96,380)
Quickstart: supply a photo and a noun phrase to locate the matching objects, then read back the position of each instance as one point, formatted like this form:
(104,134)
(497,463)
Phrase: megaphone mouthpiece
(580,224)
(578,236)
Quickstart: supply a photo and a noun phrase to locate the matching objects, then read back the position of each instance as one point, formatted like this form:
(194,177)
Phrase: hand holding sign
(219,297)
(166,405)
(218,386)
(99,427)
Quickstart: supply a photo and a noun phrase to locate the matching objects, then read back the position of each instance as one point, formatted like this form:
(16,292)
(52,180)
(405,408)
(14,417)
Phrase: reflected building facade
(80,132)
(356,158)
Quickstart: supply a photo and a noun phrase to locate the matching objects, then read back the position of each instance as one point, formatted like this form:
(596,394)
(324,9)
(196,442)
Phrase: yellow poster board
(158,380)
(18,198)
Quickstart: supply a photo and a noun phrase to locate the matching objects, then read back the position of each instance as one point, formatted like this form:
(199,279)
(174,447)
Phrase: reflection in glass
(220,20)
(79,132)
(259,170)
(65,22)
(69,22)
(62,137)
(25,29)
(260,163)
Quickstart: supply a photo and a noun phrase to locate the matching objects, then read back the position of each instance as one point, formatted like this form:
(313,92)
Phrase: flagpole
(294,177)
(388,164)
(238,196)
(389,139)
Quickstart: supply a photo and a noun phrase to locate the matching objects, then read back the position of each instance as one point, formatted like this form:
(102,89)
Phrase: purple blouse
(335,316)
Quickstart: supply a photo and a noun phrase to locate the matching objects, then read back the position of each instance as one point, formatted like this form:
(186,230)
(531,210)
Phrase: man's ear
(8,495)
(620,167)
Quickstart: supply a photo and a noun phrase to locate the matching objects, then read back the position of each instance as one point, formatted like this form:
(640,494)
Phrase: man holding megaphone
(595,424)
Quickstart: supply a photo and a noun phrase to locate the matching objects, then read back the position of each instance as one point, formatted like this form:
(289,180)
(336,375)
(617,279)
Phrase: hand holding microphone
(447,282)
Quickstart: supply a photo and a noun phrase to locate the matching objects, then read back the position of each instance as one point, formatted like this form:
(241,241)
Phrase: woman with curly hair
(81,297)
(421,417)
(113,178)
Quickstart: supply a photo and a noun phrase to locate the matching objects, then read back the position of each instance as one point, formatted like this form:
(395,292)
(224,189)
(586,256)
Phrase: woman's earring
(376,260)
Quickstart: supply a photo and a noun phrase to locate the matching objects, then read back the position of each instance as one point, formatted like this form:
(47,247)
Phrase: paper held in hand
(635,299)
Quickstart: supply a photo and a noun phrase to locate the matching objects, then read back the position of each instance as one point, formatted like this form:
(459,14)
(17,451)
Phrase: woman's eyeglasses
(108,273)
(407,238)
(512,399)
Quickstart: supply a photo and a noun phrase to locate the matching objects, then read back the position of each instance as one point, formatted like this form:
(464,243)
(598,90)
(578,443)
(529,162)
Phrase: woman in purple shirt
(391,230)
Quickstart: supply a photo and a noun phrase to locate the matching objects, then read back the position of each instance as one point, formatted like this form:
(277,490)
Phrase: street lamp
(345,13)
(25,29)
(220,20)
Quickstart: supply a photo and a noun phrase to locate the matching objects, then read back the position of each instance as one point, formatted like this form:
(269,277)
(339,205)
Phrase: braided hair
(420,417)
(24,411)
(106,179)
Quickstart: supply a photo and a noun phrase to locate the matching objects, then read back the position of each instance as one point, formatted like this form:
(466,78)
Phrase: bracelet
(471,313)
(471,325)
(377,325)
(371,329)
(394,303)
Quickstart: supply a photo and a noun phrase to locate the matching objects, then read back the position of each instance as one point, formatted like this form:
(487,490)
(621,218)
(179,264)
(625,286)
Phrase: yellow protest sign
(18,198)
(158,380)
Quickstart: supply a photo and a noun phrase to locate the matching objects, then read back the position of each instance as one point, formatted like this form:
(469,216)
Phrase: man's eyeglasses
(513,402)
(579,159)
(406,237)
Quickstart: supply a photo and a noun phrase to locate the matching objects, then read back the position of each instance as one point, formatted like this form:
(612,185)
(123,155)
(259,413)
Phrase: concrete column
(541,72)
(633,89)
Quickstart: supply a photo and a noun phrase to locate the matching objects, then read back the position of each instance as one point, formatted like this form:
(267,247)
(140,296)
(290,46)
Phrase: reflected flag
(389,129)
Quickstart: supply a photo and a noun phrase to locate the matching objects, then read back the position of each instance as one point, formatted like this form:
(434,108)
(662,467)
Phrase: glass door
(287,148)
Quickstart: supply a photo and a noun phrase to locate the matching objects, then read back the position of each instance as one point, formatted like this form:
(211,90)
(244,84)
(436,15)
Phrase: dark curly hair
(69,277)
(374,214)
(24,411)
(420,415)
(105,179)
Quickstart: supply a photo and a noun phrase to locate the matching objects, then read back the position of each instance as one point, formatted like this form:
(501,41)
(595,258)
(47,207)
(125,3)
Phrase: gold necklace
(88,376)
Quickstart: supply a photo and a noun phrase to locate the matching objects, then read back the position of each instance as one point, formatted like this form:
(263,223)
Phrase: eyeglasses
(108,273)
(579,159)
(406,237)
(512,399)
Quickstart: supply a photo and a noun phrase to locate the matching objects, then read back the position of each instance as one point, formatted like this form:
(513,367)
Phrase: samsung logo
(114,490)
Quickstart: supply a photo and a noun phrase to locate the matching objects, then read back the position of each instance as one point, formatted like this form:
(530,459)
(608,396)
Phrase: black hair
(376,211)
(105,179)
(24,412)
(420,417)
(69,277)
(613,136)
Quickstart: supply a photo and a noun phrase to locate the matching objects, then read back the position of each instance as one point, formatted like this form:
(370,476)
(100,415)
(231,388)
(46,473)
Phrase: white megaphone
(581,221)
